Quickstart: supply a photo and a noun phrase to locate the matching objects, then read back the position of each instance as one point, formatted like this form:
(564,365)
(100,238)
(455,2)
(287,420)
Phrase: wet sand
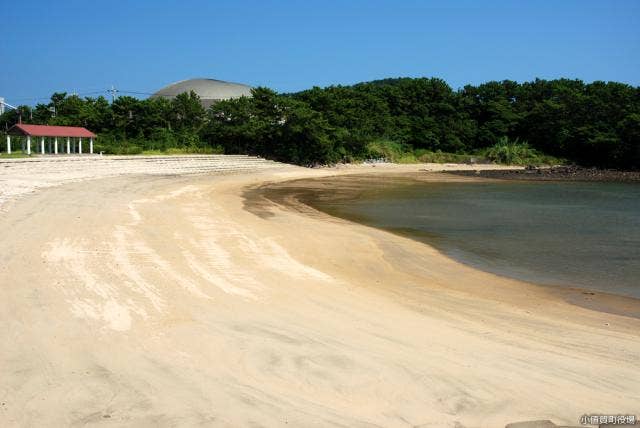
(142,300)
(304,195)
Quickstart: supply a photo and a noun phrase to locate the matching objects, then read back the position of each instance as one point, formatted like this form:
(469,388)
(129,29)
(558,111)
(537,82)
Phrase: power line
(29,98)
(88,91)
(135,92)
(49,97)
(113,92)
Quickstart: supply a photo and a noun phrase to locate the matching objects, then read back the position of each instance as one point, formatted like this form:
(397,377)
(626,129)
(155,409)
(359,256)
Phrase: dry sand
(141,300)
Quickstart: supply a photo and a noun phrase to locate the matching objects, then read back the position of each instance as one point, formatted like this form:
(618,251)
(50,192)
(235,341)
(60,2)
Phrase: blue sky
(85,46)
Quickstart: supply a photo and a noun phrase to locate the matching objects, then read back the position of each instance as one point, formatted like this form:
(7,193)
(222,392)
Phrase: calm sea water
(572,234)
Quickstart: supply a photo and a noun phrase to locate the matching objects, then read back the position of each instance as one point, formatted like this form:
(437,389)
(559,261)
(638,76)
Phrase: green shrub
(131,150)
(17,154)
(514,152)
(390,151)
(396,152)
(427,156)
(195,150)
(406,158)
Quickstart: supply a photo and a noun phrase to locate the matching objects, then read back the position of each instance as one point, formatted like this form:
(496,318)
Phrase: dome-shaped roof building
(209,90)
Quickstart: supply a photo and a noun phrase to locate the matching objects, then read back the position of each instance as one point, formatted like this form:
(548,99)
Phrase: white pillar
(28,144)
(8,144)
(79,145)
(68,146)
(55,145)
(91,145)
(42,144)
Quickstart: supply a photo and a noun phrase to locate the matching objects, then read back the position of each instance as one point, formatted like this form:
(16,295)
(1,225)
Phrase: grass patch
(217,150)
(134,149)
(514,152)
(186,151)
(13,155)
(388,150)
(394,152)
(427,156)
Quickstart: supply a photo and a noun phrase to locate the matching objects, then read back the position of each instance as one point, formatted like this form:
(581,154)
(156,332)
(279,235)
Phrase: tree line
(594,124)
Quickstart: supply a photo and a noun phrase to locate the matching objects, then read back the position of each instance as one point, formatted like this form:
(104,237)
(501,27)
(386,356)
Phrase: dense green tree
(187,112)
(127,117)
(230,125)
(303,136)
(592,124)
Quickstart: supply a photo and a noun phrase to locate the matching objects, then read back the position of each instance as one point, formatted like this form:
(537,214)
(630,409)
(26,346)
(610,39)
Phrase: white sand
(153,300)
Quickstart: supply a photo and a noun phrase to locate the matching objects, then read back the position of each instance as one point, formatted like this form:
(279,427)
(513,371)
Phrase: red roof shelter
(73,134)
(51,131)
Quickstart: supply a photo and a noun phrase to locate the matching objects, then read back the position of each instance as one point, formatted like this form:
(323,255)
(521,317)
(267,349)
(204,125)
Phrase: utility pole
(113,91)
(4,104)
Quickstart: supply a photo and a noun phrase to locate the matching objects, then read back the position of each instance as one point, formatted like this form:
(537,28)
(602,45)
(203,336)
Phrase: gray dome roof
(209,90)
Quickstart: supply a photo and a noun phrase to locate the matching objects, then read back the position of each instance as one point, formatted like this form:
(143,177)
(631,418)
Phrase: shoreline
(558,173)
(164,300)
(292,194)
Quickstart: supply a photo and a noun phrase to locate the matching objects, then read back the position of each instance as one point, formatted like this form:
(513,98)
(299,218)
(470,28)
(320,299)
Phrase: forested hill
(595,124)
(591,124)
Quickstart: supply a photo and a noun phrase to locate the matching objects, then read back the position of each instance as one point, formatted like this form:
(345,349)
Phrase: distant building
(1,105)
(210,91)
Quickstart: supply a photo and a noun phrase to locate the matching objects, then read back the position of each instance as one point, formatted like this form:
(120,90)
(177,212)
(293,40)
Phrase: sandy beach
(166,298)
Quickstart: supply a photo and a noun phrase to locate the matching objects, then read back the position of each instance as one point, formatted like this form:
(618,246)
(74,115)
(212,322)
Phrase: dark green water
(557,233)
